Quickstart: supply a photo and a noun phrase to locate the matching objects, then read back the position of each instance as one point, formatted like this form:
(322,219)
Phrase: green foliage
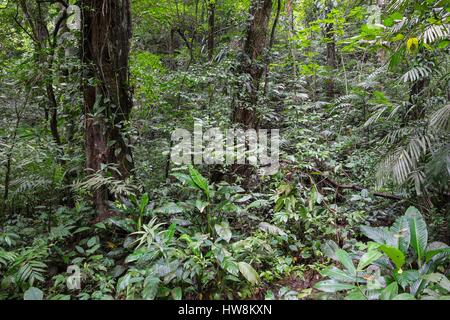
(381,272)
(362,107)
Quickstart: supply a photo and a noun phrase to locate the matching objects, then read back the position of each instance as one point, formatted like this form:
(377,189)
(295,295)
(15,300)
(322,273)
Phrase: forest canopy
(224,150)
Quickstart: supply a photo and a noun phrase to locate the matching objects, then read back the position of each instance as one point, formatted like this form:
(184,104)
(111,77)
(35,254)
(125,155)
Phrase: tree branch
(359,188)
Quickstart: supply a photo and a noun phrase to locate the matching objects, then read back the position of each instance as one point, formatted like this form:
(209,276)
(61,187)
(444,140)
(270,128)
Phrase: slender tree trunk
(291,33)
(331,58)
(271,42)
(381,53)
(53,113)
(106,32)
(211,28)
(36,17)
(172,45)
(251,67)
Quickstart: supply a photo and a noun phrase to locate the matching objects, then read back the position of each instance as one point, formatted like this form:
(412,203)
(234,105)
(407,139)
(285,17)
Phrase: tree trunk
(291,34)
(271,42)
(381,53)
(251,67)
(172,46)
(36,17)
(211,28)
(331,58)
(106,32)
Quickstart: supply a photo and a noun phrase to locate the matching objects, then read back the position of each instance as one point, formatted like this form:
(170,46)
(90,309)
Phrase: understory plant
(398,264)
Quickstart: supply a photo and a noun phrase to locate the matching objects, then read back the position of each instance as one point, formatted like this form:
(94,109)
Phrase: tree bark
(331,58)
(211,28)
(331,51)
(106,32)
(291,34)
(251,67)
(271,42)
(36,17)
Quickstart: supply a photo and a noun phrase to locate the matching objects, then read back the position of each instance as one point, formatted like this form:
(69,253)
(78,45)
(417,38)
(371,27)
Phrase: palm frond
(346,98)
(371,79)
(6,257)
(416,73)
(403,162)
(440,120)
(435,32)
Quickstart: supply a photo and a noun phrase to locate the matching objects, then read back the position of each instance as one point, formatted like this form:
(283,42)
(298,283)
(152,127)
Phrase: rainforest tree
(97,97)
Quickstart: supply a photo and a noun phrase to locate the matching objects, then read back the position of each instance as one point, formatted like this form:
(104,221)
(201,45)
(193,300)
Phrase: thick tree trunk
(106,32)
(251,67)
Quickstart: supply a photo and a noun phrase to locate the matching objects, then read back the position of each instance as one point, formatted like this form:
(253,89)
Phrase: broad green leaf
(136,255)
(406,278)
(169,208)
(270,228)
(171,231)
(338,275)
(355,295)
(177,293)
(329,249)
(230,266)
(201,205)
(151,286)
(33,294)
(199,180)
(333,286)
(389,292)
(184,178)
(404,296)
(346,261)
(419,232)
(248,272)
(389,21)
(223,230)
(430,254)
(400,228)
(439,279)
(143,203)
(91,242)
(258,204)
(368,258)
(379,235)
(395,255)
(437,248)
(126,281)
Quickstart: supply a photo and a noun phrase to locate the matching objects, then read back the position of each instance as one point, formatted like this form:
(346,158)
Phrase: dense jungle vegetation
(93,207)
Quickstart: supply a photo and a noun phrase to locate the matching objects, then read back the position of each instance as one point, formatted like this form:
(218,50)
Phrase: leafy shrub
(399,264)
